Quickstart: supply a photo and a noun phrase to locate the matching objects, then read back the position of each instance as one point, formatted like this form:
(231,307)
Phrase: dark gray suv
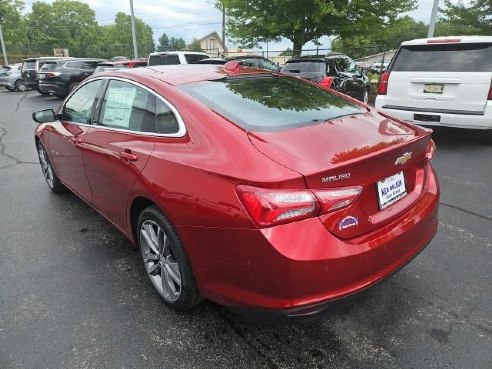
(333,71)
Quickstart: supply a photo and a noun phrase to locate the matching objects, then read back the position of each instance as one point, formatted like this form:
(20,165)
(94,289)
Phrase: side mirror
(43,116)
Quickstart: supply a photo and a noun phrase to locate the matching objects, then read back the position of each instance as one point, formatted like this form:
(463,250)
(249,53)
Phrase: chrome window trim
(181,126)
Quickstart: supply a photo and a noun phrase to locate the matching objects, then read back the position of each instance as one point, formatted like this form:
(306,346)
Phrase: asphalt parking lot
(73,293)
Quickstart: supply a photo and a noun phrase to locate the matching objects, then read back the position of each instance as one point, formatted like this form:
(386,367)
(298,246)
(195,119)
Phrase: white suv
(176,57)
(441,81)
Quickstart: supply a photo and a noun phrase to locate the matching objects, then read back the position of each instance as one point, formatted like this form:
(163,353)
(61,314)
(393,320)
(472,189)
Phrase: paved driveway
(73,294)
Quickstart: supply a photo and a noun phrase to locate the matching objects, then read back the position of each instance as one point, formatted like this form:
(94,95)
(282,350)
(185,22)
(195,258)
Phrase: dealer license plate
(391,189)
(433,88)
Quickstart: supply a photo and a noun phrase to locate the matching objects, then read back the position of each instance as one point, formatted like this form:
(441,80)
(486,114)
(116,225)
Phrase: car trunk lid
(357,150)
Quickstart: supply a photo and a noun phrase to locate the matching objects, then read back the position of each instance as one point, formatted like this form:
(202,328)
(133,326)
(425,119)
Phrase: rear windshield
(270,103)
(445,58)
(4,70)
(194,58)
(29,65)
(315,66)
(166,59)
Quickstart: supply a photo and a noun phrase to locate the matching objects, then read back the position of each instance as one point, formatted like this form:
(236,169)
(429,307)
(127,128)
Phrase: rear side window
(129,107)
(444,58)
(270,103)
(48,67)
(315,66)
(194,58)
(4,70)
(165,119)
(79,107)
(31,65)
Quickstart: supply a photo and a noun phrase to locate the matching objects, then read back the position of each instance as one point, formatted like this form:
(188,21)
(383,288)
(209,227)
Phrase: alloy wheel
(160,262)
(46,167)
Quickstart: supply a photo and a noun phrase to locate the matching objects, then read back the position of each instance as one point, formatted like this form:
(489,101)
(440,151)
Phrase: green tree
(253,21)
(460,18)
(62,24)
(163,43)
(194,45)
(385,37)
(13,25)
(177,43)
(286,52)
(118,36)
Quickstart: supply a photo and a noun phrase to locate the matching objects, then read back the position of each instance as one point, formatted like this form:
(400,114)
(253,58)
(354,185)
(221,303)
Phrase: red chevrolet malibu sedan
(256,190)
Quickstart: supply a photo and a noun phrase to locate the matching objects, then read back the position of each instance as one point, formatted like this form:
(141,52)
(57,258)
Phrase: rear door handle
(128,155)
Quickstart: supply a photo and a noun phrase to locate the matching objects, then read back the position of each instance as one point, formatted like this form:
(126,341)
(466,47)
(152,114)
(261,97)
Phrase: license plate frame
(391,189)
(433,88)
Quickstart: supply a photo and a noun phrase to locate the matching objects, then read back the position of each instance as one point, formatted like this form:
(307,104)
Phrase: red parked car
(256,190)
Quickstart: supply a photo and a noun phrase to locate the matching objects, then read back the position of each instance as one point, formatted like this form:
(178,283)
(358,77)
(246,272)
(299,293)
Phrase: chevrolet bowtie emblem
(403,159)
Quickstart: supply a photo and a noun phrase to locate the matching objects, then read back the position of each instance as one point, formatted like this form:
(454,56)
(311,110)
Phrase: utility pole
(134,31)
(432,23)
(4,52)
(223,28)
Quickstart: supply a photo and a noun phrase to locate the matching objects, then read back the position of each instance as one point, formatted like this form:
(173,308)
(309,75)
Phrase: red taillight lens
(269,207)
(431,150)
(383,83)
(337,198)
(326,82)
(52,74)
(489,96)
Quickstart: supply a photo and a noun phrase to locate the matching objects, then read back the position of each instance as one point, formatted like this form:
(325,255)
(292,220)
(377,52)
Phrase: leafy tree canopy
(468,19)
(194,45)
(253,21)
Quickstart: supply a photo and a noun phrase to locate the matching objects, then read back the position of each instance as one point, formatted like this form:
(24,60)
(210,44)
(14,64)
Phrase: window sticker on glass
(118,106)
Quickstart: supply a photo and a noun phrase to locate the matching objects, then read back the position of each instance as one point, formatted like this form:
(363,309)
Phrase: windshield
(315,66)
(270,103)
(445,58)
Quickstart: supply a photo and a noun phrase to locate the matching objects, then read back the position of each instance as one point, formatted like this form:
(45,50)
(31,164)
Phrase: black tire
(20,86)
(163,258)
(42,92)
(49,174)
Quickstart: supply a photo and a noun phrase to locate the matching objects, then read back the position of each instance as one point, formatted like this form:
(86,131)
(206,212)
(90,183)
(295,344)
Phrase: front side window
(270,103)
(79,107)
(129,107)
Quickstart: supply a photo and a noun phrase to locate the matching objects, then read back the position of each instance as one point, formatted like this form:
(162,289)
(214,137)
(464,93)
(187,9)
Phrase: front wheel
(20,86)
(165,260)
(49,174)
(42,92)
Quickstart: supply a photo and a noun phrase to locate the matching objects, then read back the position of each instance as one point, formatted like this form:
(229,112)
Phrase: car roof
(178,53)
(182,74)
(314,57)
(449,40)
(48,58)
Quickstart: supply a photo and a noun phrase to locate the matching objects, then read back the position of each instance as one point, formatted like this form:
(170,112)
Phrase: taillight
(52,74)
(431,150)
(268,207)
(326,82)
(337,198)
(383,83)
(489,96)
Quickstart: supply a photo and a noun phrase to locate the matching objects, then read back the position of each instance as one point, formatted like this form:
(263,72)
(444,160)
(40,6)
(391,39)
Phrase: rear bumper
(53,88)
(299,269)
(470,120)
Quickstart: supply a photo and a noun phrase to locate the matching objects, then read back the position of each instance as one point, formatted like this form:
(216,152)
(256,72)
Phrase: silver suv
(11,78)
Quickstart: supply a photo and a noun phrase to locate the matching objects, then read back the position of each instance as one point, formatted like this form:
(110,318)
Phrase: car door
(67,138)
(118,146)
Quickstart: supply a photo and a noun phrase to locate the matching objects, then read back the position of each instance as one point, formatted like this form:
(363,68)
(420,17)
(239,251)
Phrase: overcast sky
(193,18)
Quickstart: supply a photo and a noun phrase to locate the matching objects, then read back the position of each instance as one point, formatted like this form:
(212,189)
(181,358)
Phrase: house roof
(216,36)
